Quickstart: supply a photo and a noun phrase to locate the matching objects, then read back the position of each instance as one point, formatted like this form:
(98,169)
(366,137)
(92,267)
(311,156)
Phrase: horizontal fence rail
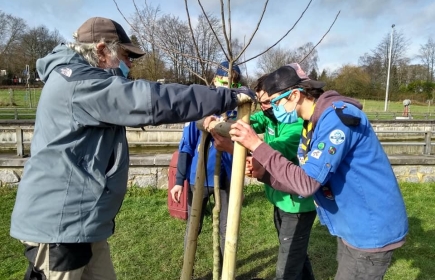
(379,116)
(388,138)
(16,113)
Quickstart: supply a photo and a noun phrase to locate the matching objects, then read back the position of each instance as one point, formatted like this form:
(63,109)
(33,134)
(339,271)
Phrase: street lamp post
(389,65)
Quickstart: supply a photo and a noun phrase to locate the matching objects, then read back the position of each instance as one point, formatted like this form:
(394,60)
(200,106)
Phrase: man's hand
(208,120)
(176,193)
(221,143)
(248,168)
(253,168)
(245,95)
(245,135)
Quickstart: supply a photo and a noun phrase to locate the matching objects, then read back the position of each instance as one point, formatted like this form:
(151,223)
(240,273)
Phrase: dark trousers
(294,234)
(225,195)
(354,264)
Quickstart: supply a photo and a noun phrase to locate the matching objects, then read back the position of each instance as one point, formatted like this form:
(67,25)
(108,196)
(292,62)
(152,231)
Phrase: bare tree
(145,29)
(278,57)
(427,56)
(307,57)
(272,60)
(222,34)
(11,30)
(376,62)
(38,42)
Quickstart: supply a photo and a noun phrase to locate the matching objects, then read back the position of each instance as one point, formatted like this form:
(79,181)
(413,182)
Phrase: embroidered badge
(332,150)
(327,193)
(270,131)
(301,160)
(316,154)
(321,146)
(337,137)
(66,72)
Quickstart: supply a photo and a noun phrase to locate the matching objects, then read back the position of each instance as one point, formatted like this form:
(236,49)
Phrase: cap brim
(314,84)
(133,51)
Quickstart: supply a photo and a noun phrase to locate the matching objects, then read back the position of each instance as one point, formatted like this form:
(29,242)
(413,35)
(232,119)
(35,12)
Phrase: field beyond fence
(20,103)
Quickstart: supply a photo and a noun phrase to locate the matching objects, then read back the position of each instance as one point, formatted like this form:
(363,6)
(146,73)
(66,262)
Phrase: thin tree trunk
(195,211)
(216,213)
(235,202)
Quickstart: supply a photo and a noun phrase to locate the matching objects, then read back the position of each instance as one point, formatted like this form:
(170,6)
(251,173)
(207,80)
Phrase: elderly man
(74,183)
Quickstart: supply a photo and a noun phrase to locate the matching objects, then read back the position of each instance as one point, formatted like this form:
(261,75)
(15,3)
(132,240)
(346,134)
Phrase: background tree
(376,63)
(209,41)
(427,56)
(11,30)
(353,81)
(36,43)
(277,57)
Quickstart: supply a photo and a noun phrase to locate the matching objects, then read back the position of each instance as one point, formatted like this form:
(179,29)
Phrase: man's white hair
(89,50)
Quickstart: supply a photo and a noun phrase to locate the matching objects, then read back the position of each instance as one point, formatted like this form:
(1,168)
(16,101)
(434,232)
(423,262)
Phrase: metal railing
(426,142)
(13,113)
(382,116)
(19,113)
(387,137)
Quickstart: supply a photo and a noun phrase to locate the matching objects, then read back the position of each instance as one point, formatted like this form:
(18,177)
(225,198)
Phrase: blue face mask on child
(280,112)
(124,68)
(285,117)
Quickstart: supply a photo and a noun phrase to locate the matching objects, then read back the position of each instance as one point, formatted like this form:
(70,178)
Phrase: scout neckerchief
(304,146)
(307,134)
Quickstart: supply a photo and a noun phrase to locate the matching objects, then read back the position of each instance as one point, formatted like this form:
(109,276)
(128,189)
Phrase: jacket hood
(326,99)
(60,55)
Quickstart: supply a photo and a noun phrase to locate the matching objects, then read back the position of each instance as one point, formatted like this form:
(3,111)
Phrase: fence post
(427,142)
(16,114)
(20,143)
(11,97)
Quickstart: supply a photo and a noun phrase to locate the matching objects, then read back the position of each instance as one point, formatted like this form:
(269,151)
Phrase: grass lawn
(148,243)
(26,102)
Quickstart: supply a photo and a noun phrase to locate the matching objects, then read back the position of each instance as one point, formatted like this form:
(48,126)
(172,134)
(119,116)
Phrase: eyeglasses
(224,83)
(264,103)
(126,55)
(276,100)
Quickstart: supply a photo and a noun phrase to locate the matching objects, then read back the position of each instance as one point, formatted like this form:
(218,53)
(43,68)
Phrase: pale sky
(360,27)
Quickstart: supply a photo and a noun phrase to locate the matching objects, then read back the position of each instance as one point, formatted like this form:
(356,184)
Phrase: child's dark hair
(259,86)
(310,92)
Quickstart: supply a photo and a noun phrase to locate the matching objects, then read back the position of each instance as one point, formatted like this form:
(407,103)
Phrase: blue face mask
(280,112)
(124,68)
(283,116)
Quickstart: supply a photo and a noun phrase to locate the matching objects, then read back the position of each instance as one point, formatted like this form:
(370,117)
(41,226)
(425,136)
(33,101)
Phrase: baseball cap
(96,28)
(288,76)
(222,69)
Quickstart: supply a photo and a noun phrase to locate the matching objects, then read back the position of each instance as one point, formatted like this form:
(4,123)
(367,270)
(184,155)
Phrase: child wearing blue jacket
(188,159)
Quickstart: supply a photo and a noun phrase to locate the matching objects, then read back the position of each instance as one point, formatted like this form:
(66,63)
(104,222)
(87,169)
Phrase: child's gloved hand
(244,95)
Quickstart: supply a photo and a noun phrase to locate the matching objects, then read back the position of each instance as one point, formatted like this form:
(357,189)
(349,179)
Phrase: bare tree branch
(280,39)
(321,38)
(255,32)
(224,29)
(193,36)
(212,29)
(230,30)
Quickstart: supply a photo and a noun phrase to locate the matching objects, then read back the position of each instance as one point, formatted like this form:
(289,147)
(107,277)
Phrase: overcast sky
(360,27)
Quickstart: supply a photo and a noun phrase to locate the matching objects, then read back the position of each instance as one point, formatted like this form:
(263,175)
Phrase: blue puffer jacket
(74,183)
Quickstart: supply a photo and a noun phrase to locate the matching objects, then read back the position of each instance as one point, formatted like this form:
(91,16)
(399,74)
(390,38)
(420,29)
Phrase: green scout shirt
(285,139)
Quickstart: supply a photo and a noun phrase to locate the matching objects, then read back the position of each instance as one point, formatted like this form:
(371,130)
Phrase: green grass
(20,103)
(374,108)
(148,243)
